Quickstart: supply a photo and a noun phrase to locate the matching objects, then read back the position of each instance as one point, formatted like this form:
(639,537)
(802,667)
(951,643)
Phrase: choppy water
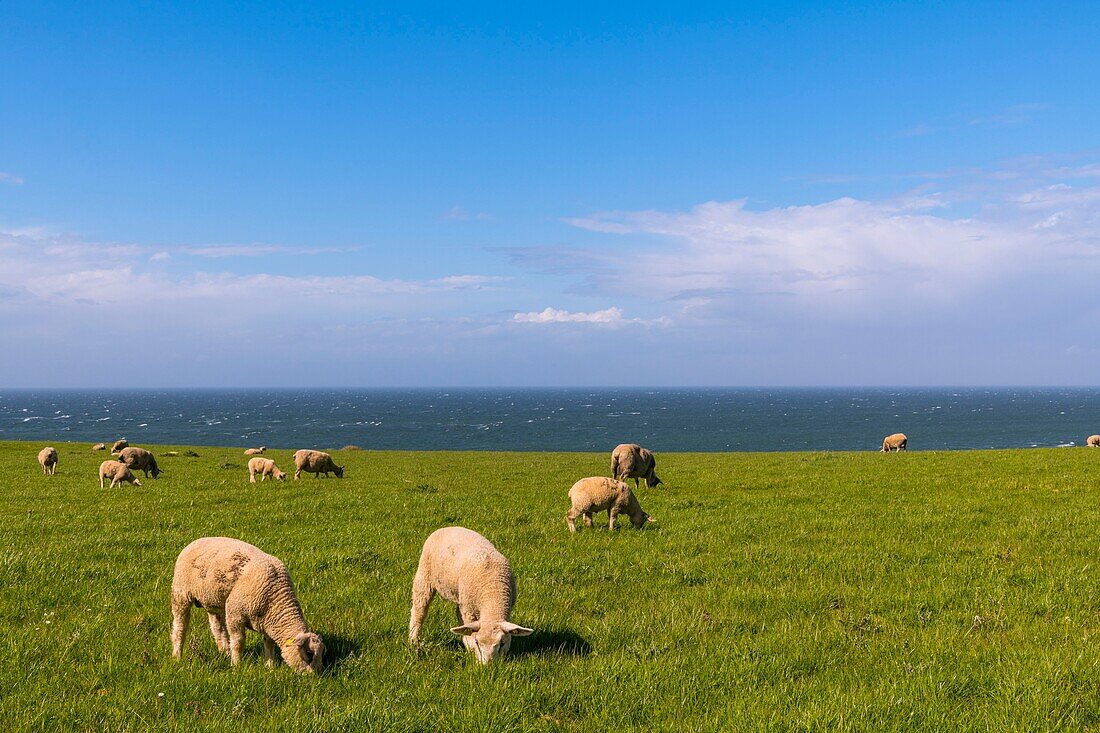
(561,419)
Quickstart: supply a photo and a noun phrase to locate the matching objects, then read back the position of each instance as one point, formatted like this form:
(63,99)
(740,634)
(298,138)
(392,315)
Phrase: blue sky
(747,194)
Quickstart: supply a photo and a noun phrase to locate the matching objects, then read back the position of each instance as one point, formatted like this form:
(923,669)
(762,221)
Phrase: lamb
(140,459)
(119,445)
(465,568)
(266,468)
(255,451)
(99,446)
(595,494)
(895,442)
(47,458)
(1093,441)
(315,462)
(630,460)
(117,472)
(241,587)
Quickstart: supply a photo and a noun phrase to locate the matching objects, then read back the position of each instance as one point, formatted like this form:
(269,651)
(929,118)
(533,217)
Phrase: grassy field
(923,591)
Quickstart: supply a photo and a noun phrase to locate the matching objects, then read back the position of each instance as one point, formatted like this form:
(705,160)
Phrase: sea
(573,419)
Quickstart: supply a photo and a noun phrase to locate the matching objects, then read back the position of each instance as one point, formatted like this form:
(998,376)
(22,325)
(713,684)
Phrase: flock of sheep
(241,587)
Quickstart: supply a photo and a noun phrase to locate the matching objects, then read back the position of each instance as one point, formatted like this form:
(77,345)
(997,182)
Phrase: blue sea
(561,419)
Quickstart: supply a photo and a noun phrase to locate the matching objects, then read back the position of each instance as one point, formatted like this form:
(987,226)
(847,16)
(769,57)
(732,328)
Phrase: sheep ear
(466,629)
(515,629)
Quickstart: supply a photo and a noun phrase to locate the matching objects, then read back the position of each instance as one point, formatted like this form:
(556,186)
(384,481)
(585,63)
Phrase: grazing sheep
(117,472)
(599,493)
(630,460)
(266,468)
(241,587)
(895,442)
(140,459)
(315,462)
(255,451)
(47,458)
(1093,441)
(119,445)
(465,568)
(99,446)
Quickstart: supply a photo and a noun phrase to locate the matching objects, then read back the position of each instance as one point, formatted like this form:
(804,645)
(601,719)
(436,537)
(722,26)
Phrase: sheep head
(490,640)
(304,653)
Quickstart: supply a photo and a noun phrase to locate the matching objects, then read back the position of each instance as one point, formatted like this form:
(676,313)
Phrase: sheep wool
(894,443)
(139,459)
(631,460)
(47,458)
(265,468)
(117,472)
(599,493)
(315,462)
(465,568)
(241,587)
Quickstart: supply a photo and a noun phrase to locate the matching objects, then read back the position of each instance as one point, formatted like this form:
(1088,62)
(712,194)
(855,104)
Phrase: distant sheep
(315,462)
(47,458)
(894,443)
(117,472)
(631,460)
(465,568)
(255,451)
(99,446)
(599,493)
(241,587)
(1093,441)
(119,445)
(266,468)
(139,459)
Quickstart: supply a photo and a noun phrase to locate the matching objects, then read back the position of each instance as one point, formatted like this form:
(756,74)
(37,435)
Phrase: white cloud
(612,316)
(10,178)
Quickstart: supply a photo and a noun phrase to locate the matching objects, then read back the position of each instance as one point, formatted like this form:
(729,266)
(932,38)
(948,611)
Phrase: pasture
(797,591)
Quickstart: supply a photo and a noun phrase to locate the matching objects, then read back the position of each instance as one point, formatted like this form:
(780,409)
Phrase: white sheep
(266,468)
(117,472)
(465,568)
(894,443)
(99,446)
(255,451)
(315,462)
(599,493)
(241,587)
(139,459)
(1093,441)
(630,460)
(119,445)
(47,458)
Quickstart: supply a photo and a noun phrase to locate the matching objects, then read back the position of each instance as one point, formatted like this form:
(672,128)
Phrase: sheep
(119,445)
(630,460)
(315,462)
(117,472)
(595,494)
(47,458)
(255,451)
(99,446)
(1093,441)
(465,568)
(241,587)
(140,459)
(895,442)
(265,467)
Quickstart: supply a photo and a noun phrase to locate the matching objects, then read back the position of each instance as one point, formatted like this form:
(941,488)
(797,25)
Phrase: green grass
(799,591)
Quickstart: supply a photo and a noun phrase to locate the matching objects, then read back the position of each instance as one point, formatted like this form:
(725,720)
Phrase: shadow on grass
(337,649)
(551,642)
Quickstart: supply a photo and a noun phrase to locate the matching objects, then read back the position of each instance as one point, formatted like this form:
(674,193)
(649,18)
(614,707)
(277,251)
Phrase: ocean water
(561,419)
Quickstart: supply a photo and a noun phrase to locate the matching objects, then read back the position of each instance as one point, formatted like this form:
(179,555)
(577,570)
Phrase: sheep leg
(252,477)
(101,482)
(217,629)
(297,474)
(422,594)
(269,653)
(569,517)
(612,515)
(588,519)
(236,640)
(181,618)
